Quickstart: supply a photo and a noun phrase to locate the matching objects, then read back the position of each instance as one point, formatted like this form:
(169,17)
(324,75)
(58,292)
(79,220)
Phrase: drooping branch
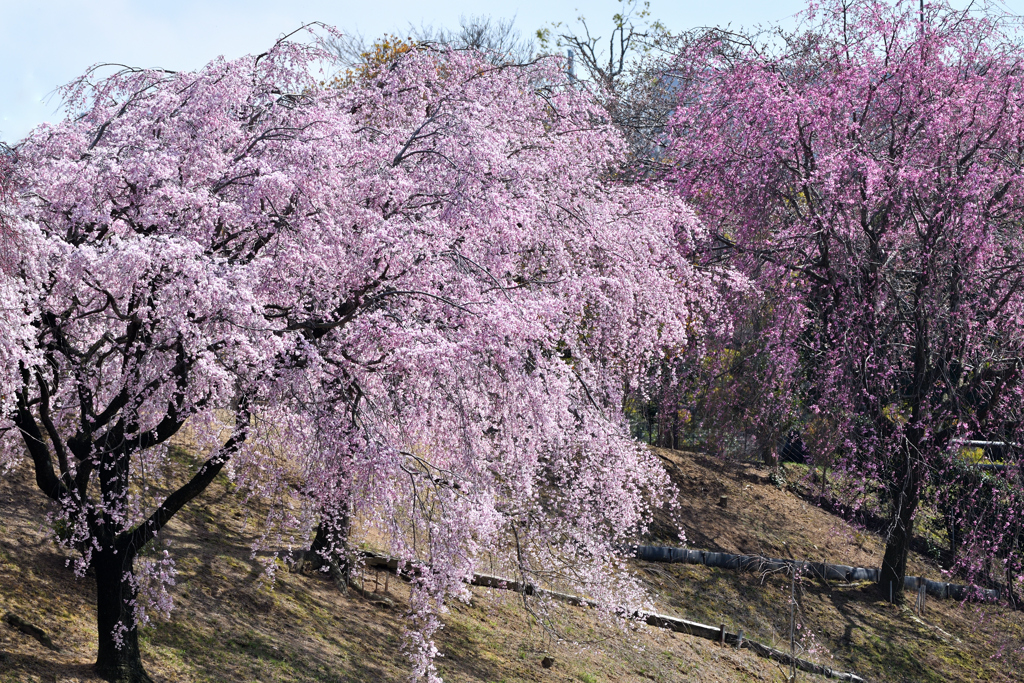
(51,429)
(42,461)
(132,541)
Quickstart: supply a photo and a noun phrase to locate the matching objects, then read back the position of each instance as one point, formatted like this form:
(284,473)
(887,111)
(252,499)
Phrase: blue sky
(46,43)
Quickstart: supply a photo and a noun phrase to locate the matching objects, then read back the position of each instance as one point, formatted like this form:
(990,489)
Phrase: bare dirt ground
(230,625)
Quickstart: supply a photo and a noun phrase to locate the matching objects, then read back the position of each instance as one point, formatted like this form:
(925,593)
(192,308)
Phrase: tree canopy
(422,290)
(869,167)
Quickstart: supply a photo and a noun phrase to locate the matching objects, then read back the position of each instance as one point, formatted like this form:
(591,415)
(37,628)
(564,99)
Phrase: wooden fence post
(792,623)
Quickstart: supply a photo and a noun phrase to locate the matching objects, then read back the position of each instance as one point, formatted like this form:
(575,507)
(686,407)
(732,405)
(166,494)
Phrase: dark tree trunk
(953,534)
(329,550)
(118,658)
(321,548)
(769,452)
(665,431)
(894,562)
(111,551)
(905,497)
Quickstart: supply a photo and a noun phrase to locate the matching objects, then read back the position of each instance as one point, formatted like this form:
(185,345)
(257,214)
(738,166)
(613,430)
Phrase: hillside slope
(849,627)
(229,626)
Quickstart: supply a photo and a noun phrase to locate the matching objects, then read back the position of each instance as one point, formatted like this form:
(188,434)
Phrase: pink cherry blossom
(866,171)
(421,295)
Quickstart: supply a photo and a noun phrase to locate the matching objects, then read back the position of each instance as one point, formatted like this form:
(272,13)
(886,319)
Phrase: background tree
(740,391)
(497,38)
(631,33)
(630,73)
(871,162)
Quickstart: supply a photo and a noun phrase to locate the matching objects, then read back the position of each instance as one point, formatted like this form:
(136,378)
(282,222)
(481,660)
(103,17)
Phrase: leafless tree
(498,38)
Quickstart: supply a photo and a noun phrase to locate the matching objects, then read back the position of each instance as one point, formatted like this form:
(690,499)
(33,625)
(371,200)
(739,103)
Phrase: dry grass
(848,627)
(230,626)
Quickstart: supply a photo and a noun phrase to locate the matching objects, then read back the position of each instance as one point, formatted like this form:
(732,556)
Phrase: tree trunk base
(328,554)
(118,657)
(122,673)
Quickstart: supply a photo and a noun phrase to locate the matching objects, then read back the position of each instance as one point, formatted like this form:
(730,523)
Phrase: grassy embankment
(229,625)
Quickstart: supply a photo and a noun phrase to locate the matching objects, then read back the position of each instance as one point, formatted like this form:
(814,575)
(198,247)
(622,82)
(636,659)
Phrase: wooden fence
(693,628)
